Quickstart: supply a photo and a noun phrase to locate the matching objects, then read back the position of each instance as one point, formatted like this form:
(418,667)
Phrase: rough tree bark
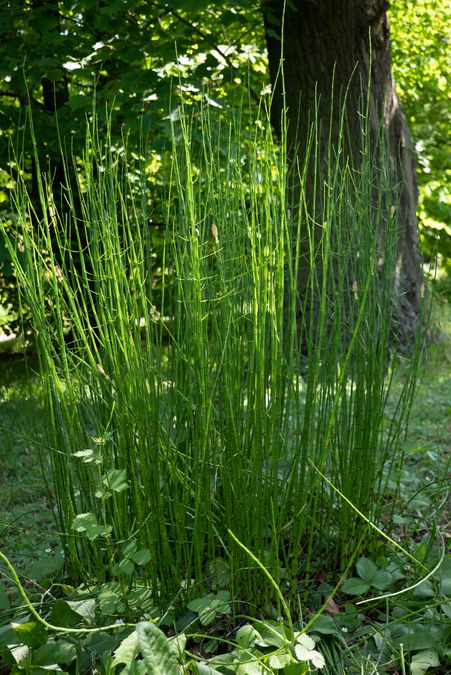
(336,43)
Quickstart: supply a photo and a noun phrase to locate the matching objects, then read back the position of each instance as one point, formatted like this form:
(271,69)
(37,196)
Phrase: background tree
(132,53)
(342,50)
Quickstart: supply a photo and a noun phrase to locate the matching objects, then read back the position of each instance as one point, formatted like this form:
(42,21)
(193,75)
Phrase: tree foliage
(134,57)
(420,43)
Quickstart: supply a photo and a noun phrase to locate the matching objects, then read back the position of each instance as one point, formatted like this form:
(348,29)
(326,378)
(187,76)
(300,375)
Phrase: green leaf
(88,456)
(366,570)
(325,625)
(355,586)
(250,668)
(60,652)
(425,590)
(8,636)
(296,669)
(85,608)
(270,634)
(129,548)
(205,669)
(127,651)
(246,636)
(444,575)
(31,633)
(422,661)
(279,661)
(203,607)
(99,643)
(178,643)
(156,650)
(63,615)
(110,602)
(220,572)
(210,605)
(46,566)
(142,557)
(125,567)
(116,480)
(4,600)
(382,580)
(86,523)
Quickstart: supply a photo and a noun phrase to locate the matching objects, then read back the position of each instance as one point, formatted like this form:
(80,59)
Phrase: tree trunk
(334,46)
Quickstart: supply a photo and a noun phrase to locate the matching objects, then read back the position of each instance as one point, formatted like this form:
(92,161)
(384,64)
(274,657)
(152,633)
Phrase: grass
(186,442)
(27,523)
(24,503)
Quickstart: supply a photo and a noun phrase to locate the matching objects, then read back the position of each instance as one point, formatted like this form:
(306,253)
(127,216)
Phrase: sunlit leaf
(156,650)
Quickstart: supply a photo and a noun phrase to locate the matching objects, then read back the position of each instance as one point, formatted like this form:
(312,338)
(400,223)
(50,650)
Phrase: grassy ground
(27,528)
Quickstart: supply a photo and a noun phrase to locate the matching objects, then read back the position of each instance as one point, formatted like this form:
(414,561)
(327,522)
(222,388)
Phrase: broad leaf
(87,524)
(60,652)
(142,557)
(382,580)
(85,608)
(127,651)
(4,600)
(422,661)
(46,566)
(366,570)
(63,615)
(116,480)
(325,625)
(355,586)
(156,650)
(279,661)
(205,669)
(247,636)
(32,633)
(270,634)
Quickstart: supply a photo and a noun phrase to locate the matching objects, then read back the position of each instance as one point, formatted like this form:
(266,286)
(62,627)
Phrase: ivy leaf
(156,650)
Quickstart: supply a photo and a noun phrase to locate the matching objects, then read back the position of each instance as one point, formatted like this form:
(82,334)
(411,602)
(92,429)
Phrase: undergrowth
(225,452)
